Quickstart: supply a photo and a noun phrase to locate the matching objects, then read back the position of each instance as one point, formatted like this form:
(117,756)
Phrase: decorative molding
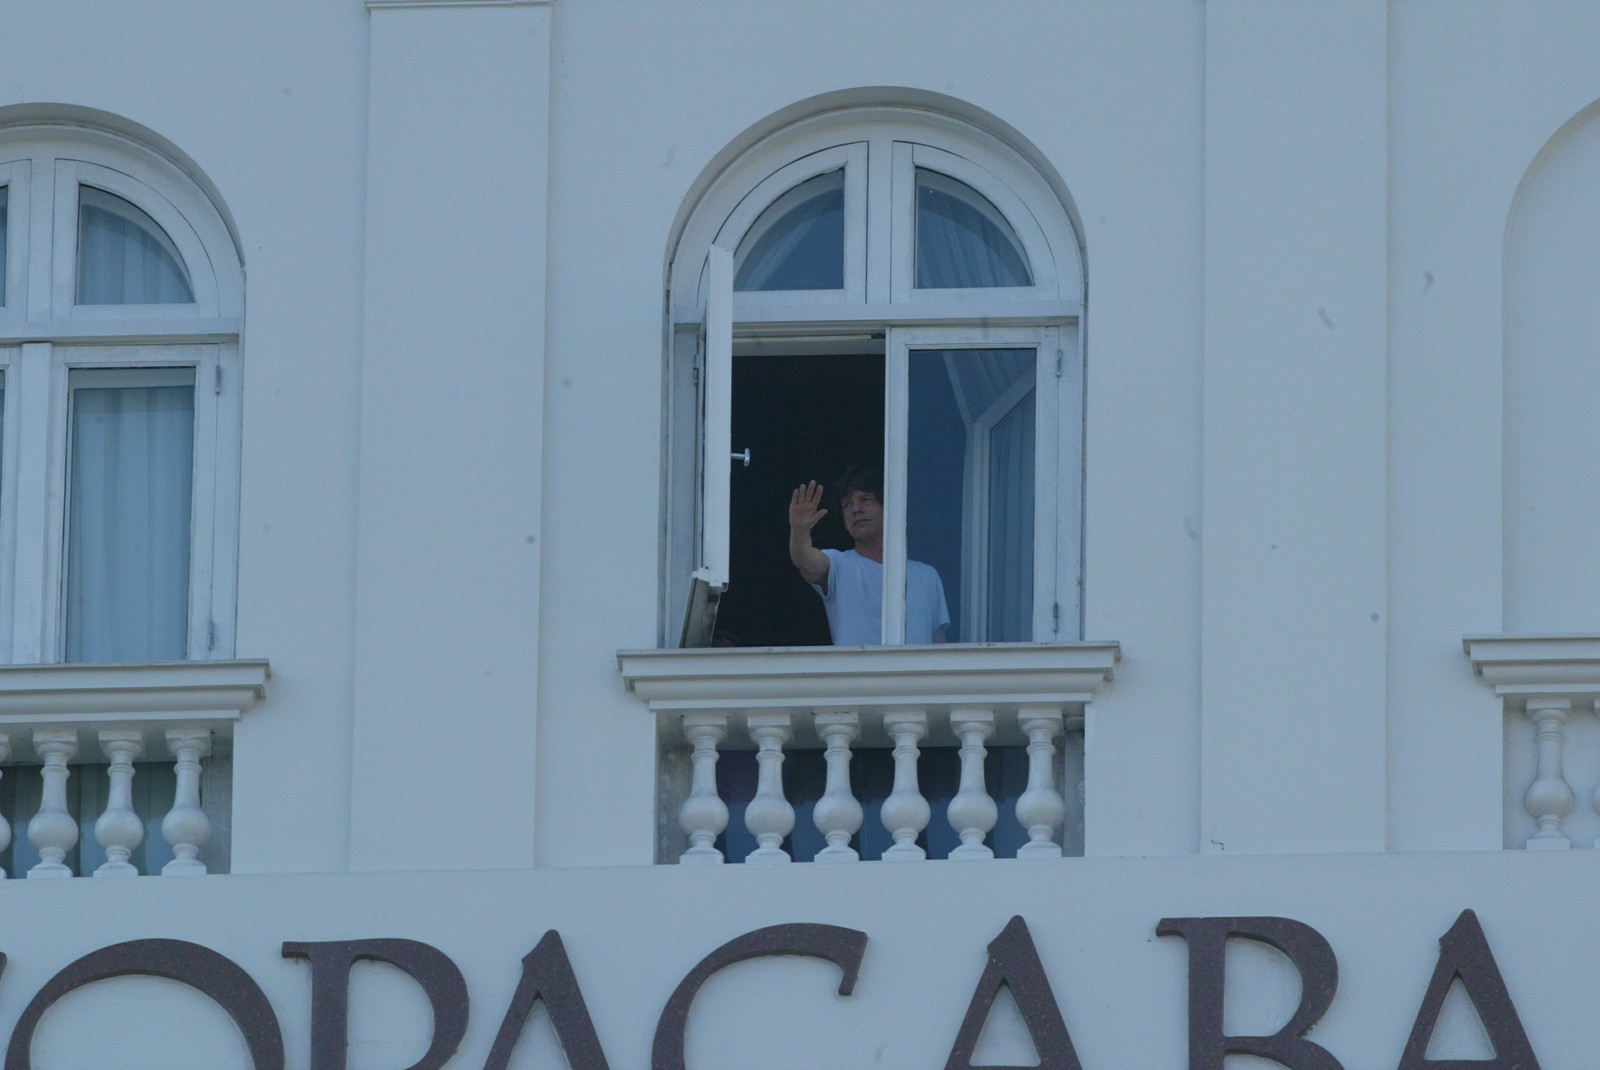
(871,680)
(149,698)
(1520,666)
(374,5)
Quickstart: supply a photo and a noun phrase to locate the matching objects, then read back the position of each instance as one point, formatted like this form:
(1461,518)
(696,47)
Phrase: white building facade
(401,402)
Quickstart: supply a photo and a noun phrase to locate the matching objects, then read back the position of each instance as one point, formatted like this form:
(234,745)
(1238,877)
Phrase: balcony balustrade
(893,706)
(1550,685)
(54,717)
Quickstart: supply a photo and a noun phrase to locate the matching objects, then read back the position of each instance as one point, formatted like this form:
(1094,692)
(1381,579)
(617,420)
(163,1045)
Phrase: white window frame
(14,177)
(880,148)
(46,336)
(852,160)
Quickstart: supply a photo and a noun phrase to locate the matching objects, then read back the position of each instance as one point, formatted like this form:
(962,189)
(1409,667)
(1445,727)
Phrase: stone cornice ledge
(199,694)
(775,678)
(376,5)
(1517,666)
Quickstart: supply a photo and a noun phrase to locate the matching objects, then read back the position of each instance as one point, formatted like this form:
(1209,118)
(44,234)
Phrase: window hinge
(1055,617)
(1058,366)
(217,383)
(211,635)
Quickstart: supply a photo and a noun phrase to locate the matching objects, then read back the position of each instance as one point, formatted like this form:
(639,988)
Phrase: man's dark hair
(860,477)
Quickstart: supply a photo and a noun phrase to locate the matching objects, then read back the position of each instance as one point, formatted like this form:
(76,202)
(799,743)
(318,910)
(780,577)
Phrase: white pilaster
(1293,551)
(452,399)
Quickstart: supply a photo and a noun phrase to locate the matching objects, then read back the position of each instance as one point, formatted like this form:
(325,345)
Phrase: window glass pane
(124,257)
(962,239)
(969,506)
(797,243)
(128,538)
(3,199)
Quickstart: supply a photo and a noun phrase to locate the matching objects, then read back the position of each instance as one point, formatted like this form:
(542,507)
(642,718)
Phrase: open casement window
(898,293)
(714,371)
(119,348)
(973,450)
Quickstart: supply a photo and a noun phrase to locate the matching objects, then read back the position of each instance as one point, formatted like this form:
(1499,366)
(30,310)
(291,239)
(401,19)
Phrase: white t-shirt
(854,600)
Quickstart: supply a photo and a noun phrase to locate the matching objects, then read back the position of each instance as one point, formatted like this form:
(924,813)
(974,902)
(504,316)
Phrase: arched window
(120,301)
(892,289)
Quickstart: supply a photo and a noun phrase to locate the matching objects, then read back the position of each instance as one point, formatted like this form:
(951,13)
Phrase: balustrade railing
(882,752)
(1550,685)
(59,723)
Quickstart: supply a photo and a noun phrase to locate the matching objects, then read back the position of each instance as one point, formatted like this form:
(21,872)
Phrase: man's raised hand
(803,511)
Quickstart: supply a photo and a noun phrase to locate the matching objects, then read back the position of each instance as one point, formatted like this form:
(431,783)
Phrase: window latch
(745,456)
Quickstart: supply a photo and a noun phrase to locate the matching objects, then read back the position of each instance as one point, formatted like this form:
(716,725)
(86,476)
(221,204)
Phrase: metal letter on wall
(1464,953)
(1319,979)
(200,968)
(1014,962)
(432,969)
(840,946)
(547,974)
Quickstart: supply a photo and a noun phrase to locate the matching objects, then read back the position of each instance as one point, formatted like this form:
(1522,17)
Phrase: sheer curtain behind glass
(962,239)
(128,526)
(797,243)
(969,485)
(124,257)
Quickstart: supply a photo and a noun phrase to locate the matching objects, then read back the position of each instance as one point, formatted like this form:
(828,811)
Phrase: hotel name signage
(547,975)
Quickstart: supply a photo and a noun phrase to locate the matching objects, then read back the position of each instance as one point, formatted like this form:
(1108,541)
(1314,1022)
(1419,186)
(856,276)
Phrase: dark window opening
(802,418)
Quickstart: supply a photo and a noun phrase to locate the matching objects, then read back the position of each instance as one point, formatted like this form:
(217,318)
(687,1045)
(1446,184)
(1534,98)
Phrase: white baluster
(1041,809)
(769,817)
(972,812)
(5,826)
(186,827)
(52,831)
(703,814)
(118,830)
(905,812)
(1549,797)
(838,814)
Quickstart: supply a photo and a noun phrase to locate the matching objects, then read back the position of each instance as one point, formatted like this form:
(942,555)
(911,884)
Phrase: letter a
(547,975)
(1014,962)
(1464,953)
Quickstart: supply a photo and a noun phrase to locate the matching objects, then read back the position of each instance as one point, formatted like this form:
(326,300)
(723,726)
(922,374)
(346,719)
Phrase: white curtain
(1010,557)
(797,243)
(128,541)
(124,257)
(962,239)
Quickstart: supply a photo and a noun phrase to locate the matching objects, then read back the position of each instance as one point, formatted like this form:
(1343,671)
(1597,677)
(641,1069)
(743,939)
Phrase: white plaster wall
(632,934)
(452,404)
(1293,573)
(1237,166)
(1476,92)
(1552,445)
